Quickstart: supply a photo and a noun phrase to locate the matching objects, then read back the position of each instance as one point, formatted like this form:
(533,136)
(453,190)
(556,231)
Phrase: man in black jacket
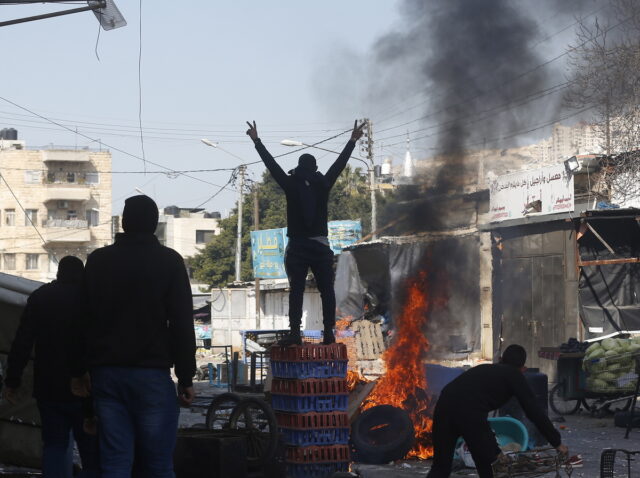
(463,407)
(139,325)
(307,192)
(47,322)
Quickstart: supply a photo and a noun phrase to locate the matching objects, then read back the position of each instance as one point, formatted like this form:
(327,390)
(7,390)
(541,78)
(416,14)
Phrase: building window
(31,217)
(10,217)
(92,178)
(33,177)
(51,177)
(32,261)
(9,262)
(71,177)
(72,215)
(93,217)
(53,264)
(203,237)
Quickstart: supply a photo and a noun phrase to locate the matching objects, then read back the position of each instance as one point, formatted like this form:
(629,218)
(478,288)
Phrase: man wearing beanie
(139,325)
(47,322)
(464,404)
(307,192)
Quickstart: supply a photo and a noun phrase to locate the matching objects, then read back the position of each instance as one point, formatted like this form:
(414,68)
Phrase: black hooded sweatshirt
(139,300)
(46,322)
(307,192)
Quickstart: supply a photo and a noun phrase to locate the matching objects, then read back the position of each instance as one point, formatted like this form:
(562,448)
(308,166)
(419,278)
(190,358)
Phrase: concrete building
(187,230)
(54,201)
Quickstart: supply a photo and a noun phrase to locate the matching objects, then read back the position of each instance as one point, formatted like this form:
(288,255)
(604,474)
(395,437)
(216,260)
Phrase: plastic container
(312,386)
(311,403)
(318,454)
(308,352)
(507,430)
(304,370)
(315,436)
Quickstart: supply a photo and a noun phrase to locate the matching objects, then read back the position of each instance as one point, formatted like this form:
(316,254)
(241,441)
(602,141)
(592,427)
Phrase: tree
(605,61)
(215,265)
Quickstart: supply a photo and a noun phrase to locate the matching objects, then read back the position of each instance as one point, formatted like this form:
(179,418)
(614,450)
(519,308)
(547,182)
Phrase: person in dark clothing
(463,406)
(47,322)
(307,192)
(139,325)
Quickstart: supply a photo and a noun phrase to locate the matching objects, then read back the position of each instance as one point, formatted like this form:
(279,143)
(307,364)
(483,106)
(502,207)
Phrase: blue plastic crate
(311,403)
(302,370)
(315,470)
(315,436)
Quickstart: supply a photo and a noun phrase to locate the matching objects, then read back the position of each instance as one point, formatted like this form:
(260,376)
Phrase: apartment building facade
(187,230)
(53,202)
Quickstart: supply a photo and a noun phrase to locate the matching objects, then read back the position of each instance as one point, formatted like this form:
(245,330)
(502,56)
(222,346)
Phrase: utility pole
(241,170)
(256,226)
(372,179)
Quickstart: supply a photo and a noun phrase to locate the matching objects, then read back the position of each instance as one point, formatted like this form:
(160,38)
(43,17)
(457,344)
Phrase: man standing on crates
(307,191)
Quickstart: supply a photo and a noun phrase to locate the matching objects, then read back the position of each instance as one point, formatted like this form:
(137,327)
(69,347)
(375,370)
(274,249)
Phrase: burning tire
(382,434)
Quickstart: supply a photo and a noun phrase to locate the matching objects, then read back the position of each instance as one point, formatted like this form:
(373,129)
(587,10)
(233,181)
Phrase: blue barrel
(438,377)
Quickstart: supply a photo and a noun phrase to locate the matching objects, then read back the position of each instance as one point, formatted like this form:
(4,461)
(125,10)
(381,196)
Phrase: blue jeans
(137,409)
(59,421)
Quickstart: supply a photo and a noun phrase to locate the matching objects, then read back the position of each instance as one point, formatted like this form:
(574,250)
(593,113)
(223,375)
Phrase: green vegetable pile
(610,365)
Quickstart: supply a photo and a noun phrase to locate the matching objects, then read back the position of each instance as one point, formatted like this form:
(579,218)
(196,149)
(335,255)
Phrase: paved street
(584,435)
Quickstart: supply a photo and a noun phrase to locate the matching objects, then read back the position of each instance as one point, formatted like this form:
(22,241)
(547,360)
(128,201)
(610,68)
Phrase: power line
(109,146)
(144,157)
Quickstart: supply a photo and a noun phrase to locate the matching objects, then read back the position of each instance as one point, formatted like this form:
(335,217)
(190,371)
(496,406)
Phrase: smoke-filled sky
(442,70)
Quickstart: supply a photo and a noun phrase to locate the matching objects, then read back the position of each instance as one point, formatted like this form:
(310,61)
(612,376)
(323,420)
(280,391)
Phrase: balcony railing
(69,223)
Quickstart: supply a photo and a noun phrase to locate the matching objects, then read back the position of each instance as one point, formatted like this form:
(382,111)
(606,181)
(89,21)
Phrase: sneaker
(328,338)
(293,338)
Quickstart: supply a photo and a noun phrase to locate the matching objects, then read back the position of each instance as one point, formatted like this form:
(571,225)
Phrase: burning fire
(404,383)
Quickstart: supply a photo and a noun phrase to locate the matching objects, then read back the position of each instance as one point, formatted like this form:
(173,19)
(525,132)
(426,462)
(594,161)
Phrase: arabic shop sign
(268,246)
(267,252)
(343,234)
(536,192)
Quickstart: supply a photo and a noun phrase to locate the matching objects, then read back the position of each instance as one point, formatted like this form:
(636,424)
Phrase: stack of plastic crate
(309,395)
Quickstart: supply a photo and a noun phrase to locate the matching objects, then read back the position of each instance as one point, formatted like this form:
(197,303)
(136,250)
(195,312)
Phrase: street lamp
(370,170)
(241,169)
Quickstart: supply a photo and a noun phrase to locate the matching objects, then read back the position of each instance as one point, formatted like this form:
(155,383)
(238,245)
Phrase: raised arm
(339,164)
(532,410)
(274,168)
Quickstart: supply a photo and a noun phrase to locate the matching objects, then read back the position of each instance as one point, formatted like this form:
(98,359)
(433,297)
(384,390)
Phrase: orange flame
(404,384)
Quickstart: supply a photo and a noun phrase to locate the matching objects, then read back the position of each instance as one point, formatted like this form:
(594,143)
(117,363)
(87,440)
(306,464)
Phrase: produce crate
(309,353)
(308,429)
(313,420)
(318,454)
(315,437)
(309,403)
(610,366)
(304,370)
(312,386)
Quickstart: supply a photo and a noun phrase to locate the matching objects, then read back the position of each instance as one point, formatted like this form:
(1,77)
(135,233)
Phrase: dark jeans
(449,423)
(301,255)
(138,411)
(59,421)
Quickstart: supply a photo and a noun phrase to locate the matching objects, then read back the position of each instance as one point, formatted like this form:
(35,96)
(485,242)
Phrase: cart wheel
(559,405)
(589,404)
(255,420)
(220,409)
